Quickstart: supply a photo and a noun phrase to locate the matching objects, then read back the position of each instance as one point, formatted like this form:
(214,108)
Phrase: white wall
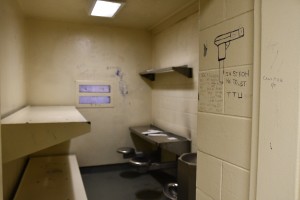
(175,97)
(58,54)
(13,94)
(278,155)
(225,100)
(12,69)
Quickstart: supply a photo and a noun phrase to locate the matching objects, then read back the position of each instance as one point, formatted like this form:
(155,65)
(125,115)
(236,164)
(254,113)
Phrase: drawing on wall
(122,84)
(205,50)
(223,42)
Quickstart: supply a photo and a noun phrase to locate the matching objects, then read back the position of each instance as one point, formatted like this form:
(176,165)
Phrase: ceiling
(142,14)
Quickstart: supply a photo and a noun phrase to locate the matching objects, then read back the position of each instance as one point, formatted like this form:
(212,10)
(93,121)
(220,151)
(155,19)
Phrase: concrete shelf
(34,128)
(51,177)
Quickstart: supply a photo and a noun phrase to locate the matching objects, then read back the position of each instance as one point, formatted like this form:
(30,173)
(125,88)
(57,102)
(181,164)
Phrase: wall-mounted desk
(162,139)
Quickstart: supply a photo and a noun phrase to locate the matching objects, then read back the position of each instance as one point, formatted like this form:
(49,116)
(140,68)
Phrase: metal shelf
(184,70)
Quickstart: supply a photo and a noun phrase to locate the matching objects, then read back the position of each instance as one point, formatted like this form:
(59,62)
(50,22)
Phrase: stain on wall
(122,83)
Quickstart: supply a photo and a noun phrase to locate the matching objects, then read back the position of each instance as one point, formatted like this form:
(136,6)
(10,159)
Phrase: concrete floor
(122,182)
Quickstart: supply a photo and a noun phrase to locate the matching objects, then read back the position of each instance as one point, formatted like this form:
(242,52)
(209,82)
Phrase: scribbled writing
(210,92)
(273,81)
(238,95)
(236,73)
(122,84)
(235,81)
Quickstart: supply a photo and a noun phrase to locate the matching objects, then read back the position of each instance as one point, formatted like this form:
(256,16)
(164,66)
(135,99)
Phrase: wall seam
(226,19)
(255,100)
(228,67)
(221,181)
(224,161)
(226,115)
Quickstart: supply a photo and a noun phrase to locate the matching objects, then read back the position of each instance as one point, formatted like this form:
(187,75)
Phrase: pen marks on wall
(205,50)
(238,91)
(223,42)
(273,81)
(236,81)
(119,74)
(210,92)
(276,63)
(122,83)
(274,53)
(234,96)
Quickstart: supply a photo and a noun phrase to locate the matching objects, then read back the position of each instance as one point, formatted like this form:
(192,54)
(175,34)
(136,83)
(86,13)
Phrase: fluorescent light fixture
(105,8)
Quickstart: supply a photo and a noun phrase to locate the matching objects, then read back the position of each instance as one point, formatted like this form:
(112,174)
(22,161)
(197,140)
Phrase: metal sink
(186,176)
(189,158)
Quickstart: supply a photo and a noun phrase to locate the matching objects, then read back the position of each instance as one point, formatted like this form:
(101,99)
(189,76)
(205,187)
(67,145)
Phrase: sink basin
(189,158)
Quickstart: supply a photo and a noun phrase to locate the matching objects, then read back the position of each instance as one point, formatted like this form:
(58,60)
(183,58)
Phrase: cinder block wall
(174,96)
(225,99)
(13,78)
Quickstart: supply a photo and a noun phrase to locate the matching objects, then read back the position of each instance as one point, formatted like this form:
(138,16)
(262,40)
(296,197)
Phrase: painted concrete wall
(225,99)
(175,97)
(58,54)
(278,156)
(13,94)
(12,69)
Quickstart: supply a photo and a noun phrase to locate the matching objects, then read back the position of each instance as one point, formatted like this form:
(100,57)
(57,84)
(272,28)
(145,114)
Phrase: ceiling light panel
(105,8)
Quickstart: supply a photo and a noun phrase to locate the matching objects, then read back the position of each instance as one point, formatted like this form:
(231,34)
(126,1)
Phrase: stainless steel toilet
(186,179)
(171,191)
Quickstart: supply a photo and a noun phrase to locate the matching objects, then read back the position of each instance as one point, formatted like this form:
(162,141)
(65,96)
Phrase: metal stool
(128,152)
(141,163)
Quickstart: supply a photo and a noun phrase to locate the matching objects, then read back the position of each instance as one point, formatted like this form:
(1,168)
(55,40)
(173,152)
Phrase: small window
(94,94)
(94,88)
(97,100)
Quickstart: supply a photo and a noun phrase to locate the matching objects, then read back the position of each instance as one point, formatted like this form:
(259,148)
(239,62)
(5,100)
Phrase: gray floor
(122,182)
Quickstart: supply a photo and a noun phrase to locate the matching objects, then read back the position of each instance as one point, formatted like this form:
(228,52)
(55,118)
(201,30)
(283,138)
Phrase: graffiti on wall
(223,42)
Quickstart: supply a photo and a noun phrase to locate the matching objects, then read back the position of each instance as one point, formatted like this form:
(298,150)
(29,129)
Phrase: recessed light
(106,8)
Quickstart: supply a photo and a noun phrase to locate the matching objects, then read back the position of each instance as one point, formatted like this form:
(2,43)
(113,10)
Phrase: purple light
(96,100)
(94,88)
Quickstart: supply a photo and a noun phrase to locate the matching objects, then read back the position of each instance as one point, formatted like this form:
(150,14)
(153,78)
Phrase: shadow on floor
(122,182)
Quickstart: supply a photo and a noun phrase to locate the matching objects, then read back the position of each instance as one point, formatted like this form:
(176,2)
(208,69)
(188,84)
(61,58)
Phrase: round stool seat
(126,150)
(140,161)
